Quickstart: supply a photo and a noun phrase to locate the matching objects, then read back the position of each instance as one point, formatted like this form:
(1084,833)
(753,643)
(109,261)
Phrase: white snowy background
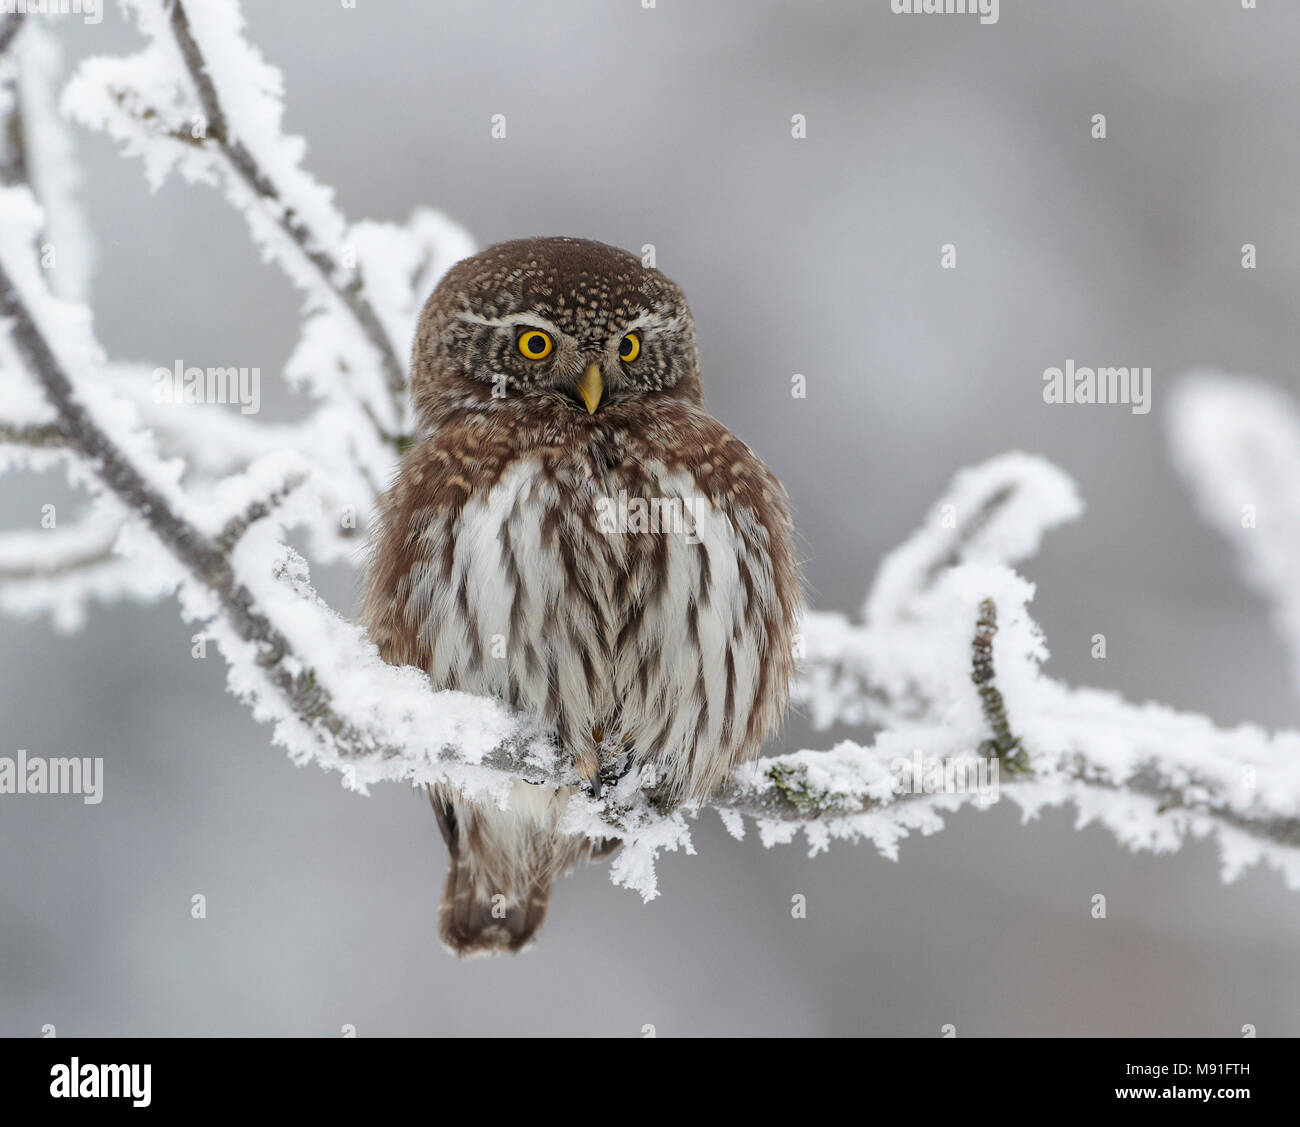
(821,257)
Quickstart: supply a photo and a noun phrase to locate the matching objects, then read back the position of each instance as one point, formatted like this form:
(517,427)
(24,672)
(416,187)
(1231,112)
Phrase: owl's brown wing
(463,460)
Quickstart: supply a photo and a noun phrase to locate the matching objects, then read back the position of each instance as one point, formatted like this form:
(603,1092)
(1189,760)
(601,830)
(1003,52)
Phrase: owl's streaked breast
(551,591)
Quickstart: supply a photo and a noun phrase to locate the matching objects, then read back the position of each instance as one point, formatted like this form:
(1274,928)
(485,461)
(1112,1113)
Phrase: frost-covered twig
(60,571)
(349,289)
(997,512)
(257,509)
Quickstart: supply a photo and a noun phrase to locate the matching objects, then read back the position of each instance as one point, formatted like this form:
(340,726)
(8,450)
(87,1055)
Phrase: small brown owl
(577,536)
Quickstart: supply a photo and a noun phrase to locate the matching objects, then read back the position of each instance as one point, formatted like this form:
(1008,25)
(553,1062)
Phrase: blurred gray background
(671,126)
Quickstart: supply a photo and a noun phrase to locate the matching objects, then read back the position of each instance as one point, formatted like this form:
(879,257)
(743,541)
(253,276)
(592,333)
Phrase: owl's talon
(588,766)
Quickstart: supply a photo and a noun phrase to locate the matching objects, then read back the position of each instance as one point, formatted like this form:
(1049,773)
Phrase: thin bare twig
(1003,743)
(49,435)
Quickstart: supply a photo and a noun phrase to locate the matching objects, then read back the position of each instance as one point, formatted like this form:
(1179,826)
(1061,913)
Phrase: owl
(577,536)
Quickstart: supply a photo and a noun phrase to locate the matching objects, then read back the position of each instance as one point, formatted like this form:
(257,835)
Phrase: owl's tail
(502,866)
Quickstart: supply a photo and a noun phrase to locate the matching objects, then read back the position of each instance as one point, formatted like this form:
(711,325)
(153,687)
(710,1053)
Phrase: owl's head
(556,323)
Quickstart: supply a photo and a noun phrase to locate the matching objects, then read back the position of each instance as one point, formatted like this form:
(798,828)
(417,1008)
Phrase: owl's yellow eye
(535,344)
(629,348)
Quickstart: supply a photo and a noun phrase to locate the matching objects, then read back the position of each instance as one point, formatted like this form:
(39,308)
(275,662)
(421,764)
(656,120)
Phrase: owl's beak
(591,387)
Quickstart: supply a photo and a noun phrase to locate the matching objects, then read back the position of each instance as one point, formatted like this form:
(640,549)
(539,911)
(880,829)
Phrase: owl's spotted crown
(559,324)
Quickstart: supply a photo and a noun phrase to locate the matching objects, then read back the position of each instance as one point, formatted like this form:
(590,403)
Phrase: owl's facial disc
(557,323)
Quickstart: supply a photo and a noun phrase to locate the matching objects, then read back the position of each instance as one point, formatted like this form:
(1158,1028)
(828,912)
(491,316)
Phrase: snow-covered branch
(940,683)
(945,706)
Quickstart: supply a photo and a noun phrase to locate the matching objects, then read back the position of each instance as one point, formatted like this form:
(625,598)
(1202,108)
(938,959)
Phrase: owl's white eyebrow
(657,321)
(508,321)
